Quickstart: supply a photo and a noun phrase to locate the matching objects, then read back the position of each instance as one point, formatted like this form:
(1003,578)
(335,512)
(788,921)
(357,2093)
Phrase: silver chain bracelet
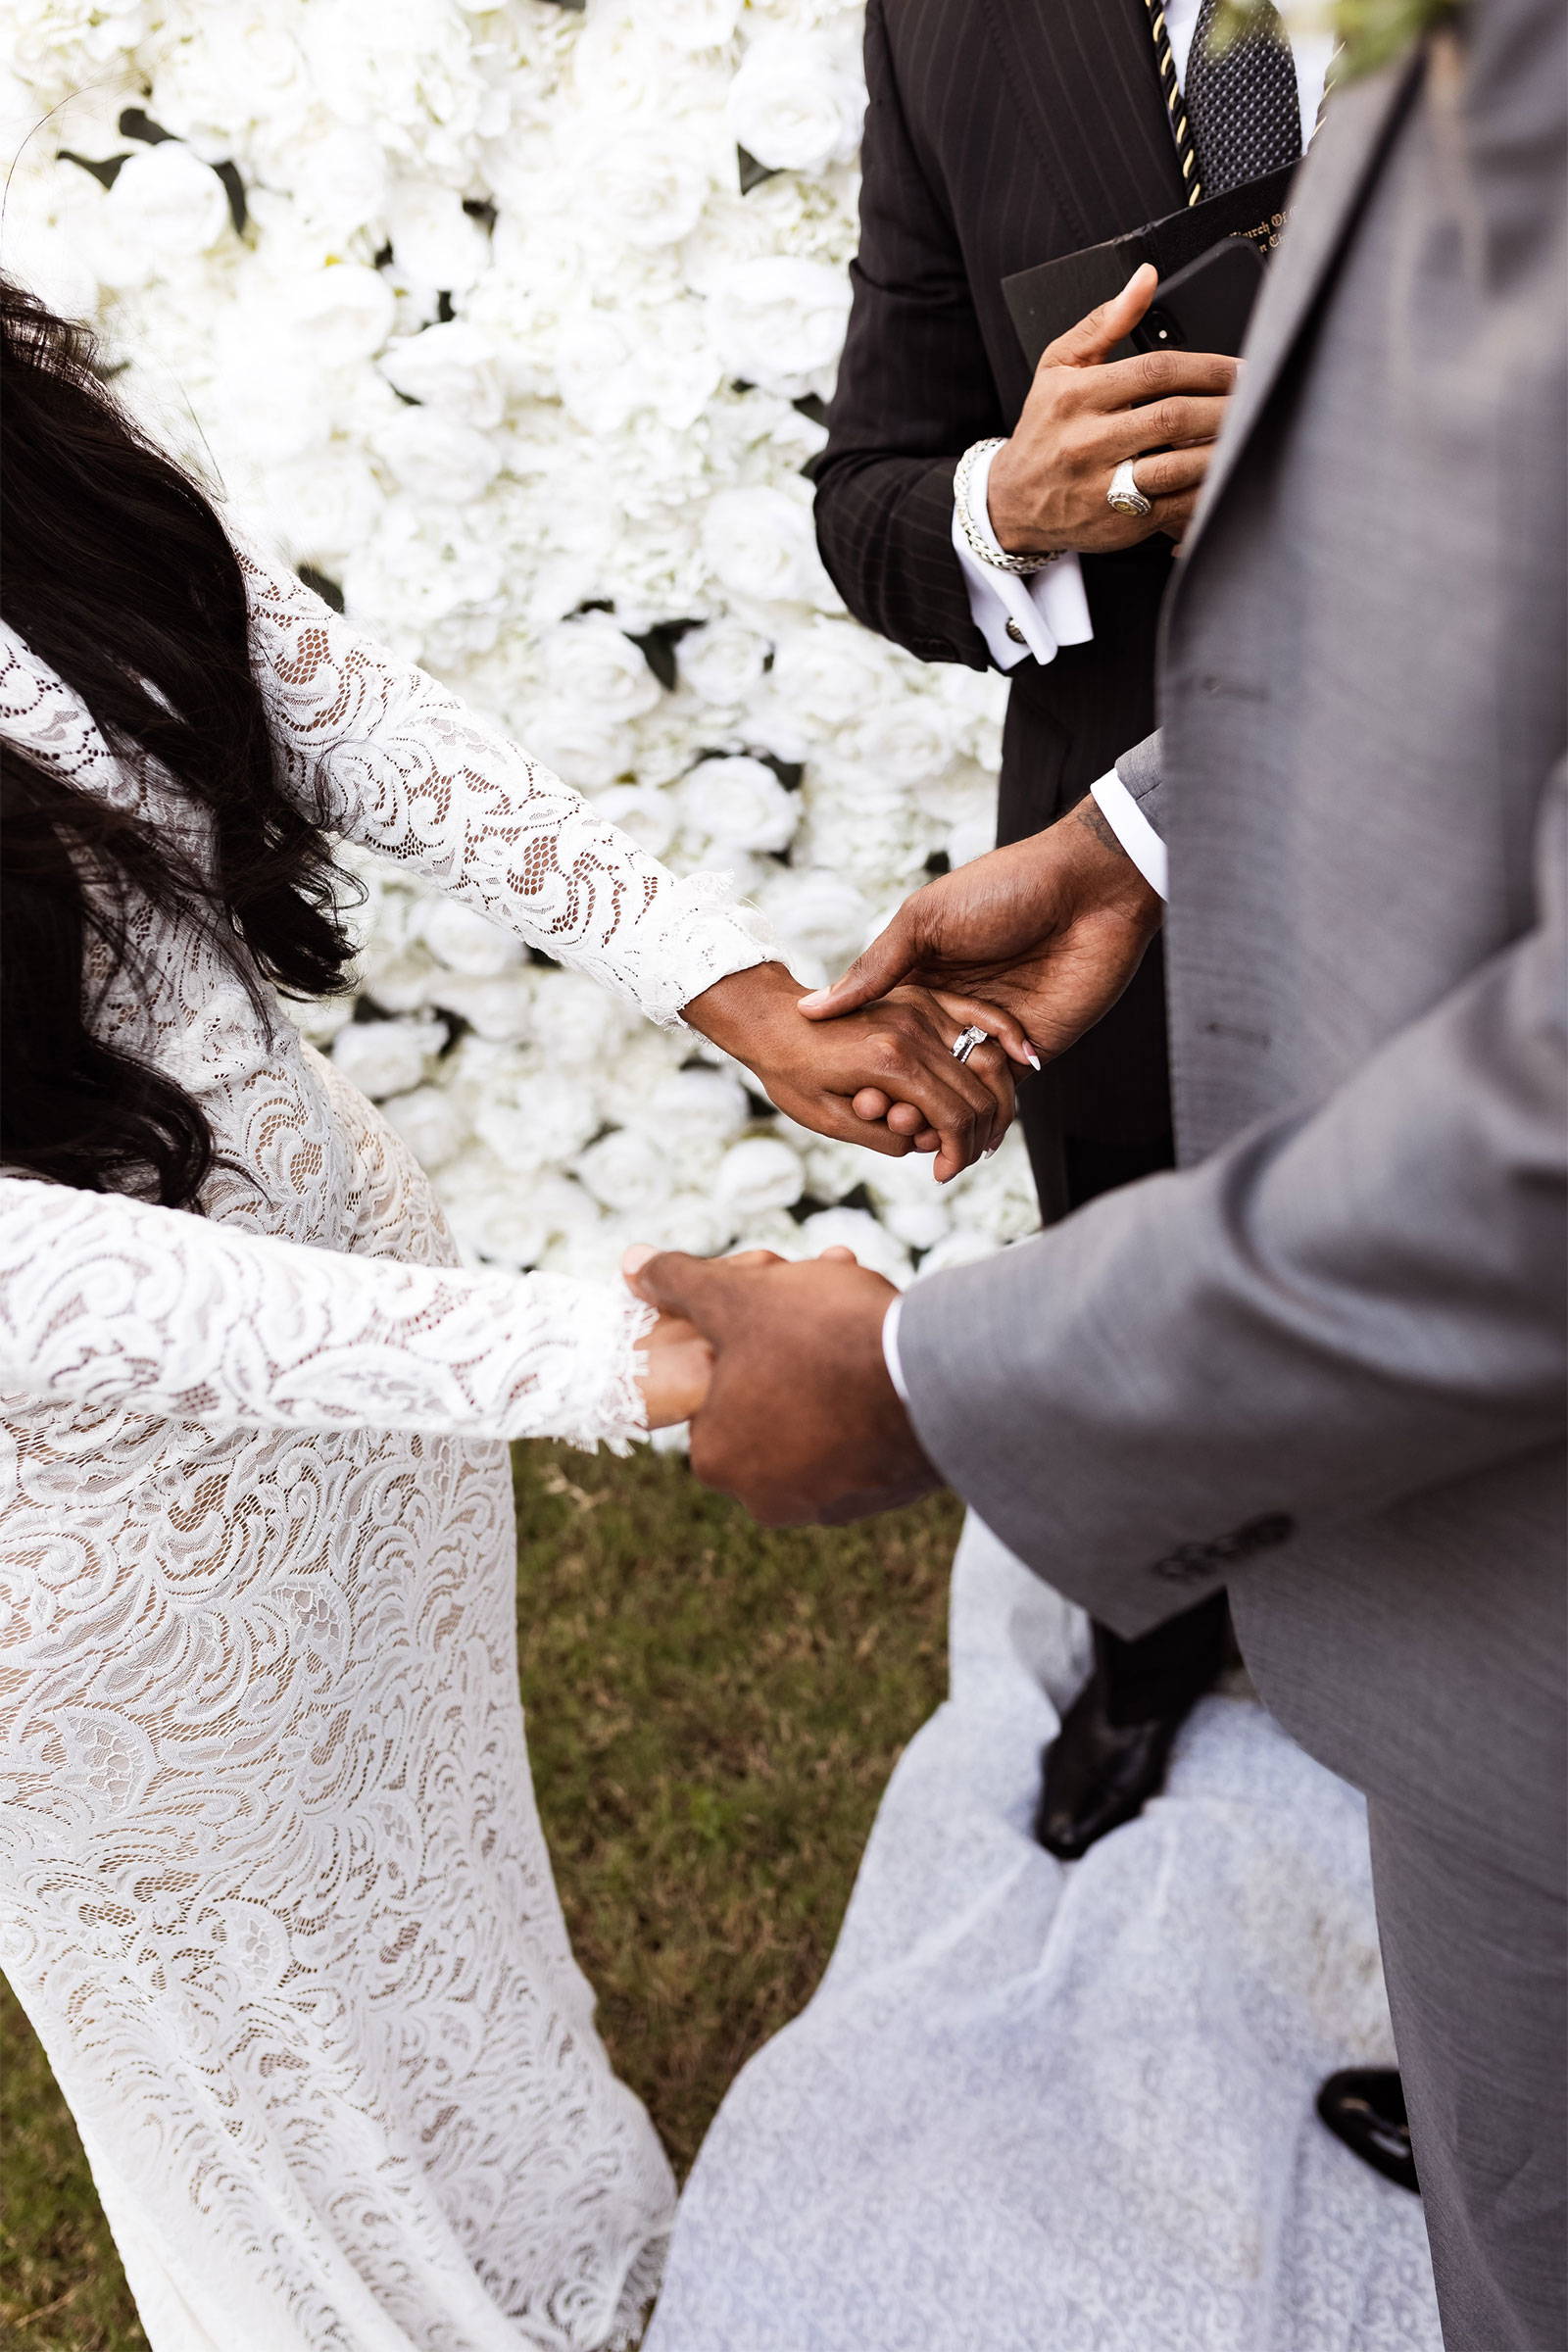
(983,543)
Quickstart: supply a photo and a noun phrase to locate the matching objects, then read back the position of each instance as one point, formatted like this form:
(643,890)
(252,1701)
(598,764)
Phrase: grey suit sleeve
(1142,772)
(1337,1310)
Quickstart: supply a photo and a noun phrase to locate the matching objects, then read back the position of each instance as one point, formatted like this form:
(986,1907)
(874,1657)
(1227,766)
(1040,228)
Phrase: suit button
(1016,633)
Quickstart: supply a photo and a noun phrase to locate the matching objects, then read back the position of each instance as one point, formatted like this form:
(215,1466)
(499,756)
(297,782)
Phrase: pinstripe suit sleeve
(914,389)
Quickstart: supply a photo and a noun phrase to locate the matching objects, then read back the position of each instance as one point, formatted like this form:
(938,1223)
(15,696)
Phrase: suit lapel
(1085,73)
(1323,205)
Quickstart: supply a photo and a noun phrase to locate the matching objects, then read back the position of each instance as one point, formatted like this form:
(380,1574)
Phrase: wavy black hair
(119,575)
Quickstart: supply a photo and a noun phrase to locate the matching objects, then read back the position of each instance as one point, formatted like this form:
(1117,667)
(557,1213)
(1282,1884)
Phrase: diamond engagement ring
(964,1044)
(1124,494)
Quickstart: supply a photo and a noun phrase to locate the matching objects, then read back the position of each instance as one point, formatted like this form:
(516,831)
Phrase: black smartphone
(1204,307)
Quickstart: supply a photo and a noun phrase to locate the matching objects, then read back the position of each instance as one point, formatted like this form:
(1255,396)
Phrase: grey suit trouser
(1481,2023)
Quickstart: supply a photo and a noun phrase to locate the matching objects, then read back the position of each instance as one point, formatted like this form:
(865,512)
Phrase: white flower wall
(514,325)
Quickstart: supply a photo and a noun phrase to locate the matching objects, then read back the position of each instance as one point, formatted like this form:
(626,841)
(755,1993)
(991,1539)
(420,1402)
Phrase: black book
(1049,299)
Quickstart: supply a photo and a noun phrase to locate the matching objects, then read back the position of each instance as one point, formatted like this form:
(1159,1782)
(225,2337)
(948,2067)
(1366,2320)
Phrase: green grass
(713,1711)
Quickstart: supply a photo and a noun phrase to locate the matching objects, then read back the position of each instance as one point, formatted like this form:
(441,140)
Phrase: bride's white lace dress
(273,1887)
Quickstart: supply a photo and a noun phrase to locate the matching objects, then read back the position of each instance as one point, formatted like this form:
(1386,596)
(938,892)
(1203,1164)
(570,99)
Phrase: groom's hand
(1050,930)
(801,1421)
(895,1053)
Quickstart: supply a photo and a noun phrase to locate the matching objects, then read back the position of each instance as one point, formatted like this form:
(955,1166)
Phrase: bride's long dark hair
(119,575)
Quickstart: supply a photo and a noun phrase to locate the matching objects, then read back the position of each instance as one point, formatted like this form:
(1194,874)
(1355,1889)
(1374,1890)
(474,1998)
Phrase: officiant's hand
(897,1053)
(1050,930)
(801,1421)
(1085,414)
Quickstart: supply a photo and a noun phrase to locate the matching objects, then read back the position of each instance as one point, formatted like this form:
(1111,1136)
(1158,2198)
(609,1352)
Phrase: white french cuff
(890,1349)
(1133,830)
(1048,609)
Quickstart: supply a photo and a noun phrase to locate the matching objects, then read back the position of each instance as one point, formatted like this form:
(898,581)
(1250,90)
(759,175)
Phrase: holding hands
(781,1365)
(885,1077)
(1045,934)
(801,1421)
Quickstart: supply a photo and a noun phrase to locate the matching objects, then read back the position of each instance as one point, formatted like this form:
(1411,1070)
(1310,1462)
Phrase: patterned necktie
(1241,100)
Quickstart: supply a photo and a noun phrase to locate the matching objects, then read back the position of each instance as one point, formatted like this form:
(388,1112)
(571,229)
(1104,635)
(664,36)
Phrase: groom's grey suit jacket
(1325,1360)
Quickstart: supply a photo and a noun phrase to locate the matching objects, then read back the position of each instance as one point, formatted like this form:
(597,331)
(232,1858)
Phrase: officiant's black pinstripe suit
(1002,133)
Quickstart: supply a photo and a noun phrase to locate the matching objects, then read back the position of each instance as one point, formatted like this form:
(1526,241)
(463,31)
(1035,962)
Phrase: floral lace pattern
(275,1895)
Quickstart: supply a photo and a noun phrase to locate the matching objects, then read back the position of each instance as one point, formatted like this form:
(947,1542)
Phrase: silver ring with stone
(964,1044)
(1124,494)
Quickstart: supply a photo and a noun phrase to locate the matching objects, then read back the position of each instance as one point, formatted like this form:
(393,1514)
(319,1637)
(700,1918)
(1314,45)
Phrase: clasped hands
(779,1364)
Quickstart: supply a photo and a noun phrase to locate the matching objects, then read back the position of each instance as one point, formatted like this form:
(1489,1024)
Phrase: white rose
(831,670)
(512,1221)
(644,814)
(971,837)
(498,1006)
(52,223)
(165,206)
(321,1021)
(536,1120)
(853,1229)
(324,504)
(582,748)
(821,913)
(759,1174)
(863,826)
(434,457)
(386,1058)
(738,804)
(427,587)
(963,1247)
(723,662)
(341,313)
(596,370)
(832,1168)
(467,940)
(591,664)
(639,187)
(398,978)
(919,1224)
(339,180)
(690,1222)
(910,739)
(779,322)
(694,1107)
(453,367)
(434,240)
(429,1123)
(797,103)
(758,543)
(626,1174)
(583,1027)
(694,23)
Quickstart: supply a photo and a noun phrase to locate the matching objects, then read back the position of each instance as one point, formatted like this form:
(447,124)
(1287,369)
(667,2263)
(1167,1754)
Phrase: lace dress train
(273,1888)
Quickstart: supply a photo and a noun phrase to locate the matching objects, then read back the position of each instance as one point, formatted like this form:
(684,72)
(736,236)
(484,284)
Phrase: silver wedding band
(964,1044)
(1124,494)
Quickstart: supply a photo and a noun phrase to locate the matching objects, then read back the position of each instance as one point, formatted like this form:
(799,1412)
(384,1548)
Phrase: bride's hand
(679,1362)
(895,1054)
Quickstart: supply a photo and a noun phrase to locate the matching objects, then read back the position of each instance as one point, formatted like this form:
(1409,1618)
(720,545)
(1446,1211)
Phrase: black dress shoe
(1100,1774)
(1364,2106)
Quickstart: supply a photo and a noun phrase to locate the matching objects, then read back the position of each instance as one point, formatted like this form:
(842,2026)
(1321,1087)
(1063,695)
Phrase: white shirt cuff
(1133,830)
(1048,609)
(890,1349)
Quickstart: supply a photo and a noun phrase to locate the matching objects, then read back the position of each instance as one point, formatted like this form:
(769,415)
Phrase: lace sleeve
(391,760)
(112,1304)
